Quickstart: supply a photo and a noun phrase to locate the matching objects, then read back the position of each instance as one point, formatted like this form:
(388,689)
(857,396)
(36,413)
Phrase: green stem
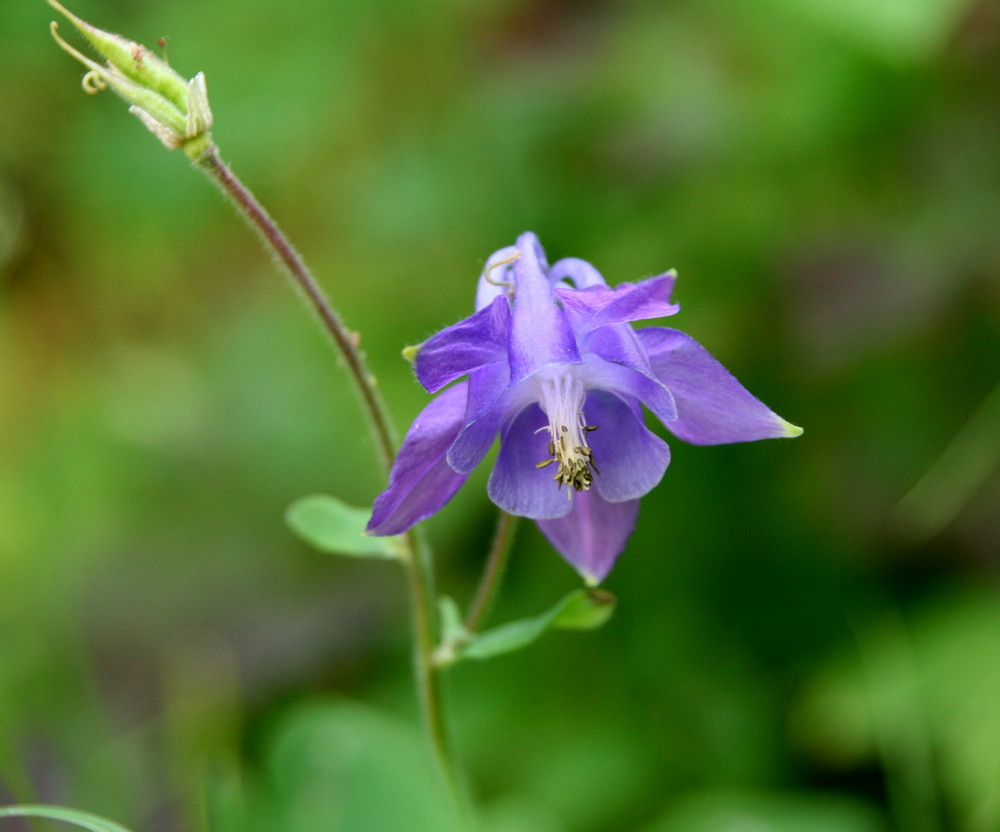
(496,565)
(428,675)
(417,557)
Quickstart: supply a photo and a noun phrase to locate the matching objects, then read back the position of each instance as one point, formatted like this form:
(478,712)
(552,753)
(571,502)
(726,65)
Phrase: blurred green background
(808,634)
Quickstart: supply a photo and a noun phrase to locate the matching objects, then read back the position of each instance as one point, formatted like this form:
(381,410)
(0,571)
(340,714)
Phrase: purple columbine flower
(555,369)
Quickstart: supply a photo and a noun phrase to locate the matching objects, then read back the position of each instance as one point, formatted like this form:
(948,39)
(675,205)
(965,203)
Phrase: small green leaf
(82,819)
(331,525)
(339,766)
(505,639)
(454,634)
(583,609)
(452,628)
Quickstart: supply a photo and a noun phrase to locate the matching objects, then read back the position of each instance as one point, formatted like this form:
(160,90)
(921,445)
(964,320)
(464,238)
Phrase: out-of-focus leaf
(583,609)
(929,689)
(345,767)
(331,525)
(727,811)
(898,29)
(84,820)
(517,813)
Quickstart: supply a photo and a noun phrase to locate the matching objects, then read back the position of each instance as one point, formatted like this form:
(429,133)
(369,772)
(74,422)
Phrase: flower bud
(175,110)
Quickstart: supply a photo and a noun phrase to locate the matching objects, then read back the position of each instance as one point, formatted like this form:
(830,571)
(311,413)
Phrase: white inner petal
(561,396)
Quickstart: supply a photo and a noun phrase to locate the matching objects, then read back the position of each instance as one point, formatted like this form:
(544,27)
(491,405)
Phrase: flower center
(562,400)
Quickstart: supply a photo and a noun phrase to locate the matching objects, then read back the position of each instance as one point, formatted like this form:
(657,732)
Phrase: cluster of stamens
(561,397)
(574,462)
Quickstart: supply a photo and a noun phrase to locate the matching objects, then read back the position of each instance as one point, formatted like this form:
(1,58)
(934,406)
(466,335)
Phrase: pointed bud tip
(129,61)
(59,7)
(174,109)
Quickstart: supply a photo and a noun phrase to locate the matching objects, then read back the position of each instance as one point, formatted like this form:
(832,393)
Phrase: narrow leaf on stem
(583,609)
(84,820)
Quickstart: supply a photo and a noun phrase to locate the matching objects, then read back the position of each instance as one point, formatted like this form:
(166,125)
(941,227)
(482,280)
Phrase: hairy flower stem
(417,557)
(496,565)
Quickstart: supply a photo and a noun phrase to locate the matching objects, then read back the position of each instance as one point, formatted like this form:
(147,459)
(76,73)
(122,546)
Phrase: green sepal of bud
(131,59)
(175,110)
